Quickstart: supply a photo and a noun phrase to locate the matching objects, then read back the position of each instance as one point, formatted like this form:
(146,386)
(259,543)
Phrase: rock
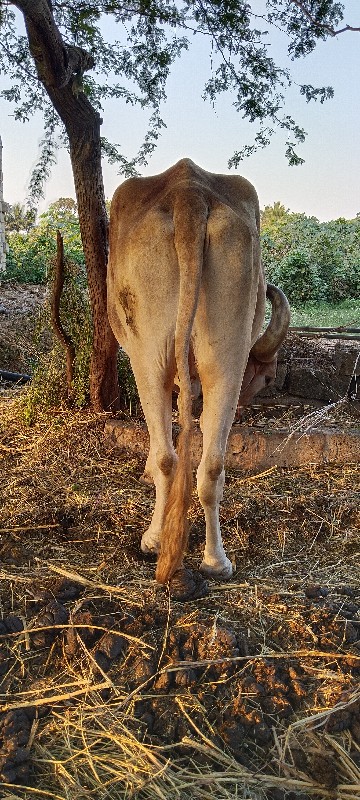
(83,628)
(262,733)
(233,733)
(163,682)
(11,624)
(310,383)
(322,769)
(148,720)
(185,677)
(142,670)
(102,660)
(15,729)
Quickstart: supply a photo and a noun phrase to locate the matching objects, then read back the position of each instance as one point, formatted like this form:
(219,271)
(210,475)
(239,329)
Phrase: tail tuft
(175,532)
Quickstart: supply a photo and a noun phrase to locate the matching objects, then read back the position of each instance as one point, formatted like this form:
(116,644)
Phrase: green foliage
(76,316)
(18,218)
(47,388)
(32,259)
(31,253)
(29,256)
(271,215)
(311,260)
(63,216)
(148,36)
(297,277)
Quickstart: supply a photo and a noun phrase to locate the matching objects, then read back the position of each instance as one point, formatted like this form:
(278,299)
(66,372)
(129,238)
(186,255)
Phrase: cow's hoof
(187,584)
(150,544)
(222,571)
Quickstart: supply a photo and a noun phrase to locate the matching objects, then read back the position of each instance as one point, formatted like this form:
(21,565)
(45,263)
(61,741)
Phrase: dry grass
(273,653)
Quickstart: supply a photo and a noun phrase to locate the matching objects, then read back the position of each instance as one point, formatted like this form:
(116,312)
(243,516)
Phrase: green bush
(130,401)
(29,257)
(326,255)
(48,388)
(298,278)
(31,252)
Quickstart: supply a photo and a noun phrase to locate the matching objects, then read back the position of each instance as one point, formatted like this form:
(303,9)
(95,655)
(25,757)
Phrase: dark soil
(245,661)
(210,654)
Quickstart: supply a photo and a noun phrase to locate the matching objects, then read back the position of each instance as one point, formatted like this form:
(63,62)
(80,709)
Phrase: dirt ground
(112,688)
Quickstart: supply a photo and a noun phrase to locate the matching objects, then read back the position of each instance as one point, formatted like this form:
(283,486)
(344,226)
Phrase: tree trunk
(86,164)
(59,67)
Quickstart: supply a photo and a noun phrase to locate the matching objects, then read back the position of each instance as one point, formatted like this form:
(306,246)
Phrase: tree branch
(322,25)
(55,62)
(13,59)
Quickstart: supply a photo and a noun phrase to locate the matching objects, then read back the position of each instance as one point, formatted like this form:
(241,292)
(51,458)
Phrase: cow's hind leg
(218,414)
(163,462)
(162,470)
(156,400)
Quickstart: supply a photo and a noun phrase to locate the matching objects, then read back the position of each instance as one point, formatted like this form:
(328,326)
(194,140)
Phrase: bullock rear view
(186,286)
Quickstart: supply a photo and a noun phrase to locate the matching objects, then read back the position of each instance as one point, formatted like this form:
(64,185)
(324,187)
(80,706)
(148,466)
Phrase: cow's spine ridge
(190,214)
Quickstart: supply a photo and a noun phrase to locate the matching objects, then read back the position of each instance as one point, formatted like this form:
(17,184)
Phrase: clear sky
(326,186)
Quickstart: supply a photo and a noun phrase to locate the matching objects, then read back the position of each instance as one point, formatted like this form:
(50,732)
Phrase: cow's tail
(190,222)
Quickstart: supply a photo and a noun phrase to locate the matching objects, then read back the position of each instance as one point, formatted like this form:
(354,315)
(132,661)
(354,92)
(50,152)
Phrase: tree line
(311,261)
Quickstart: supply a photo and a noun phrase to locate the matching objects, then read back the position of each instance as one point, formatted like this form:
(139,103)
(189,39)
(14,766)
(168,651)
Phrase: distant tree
(30,255)
(271,215)
(19,218)
(311,260)
(63,216)
(32,252)
(64,41)
(63,208)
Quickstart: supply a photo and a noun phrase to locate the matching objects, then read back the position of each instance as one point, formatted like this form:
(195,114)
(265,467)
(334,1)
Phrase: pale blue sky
(326,186)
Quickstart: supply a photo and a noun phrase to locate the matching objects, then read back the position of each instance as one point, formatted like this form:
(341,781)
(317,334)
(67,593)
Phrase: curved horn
(269,342)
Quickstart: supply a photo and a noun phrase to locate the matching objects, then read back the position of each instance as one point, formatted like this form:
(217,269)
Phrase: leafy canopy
(311,261)
(32,249)
(18,218)
(148,35)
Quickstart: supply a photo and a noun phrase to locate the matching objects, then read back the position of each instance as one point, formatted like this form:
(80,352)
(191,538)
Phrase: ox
(186,299)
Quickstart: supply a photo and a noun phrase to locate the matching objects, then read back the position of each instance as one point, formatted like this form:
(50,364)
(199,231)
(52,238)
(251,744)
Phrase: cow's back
(144,269)
(134,198)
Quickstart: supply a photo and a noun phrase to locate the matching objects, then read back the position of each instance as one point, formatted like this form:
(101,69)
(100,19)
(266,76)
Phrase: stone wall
(316,369)
(251,449)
